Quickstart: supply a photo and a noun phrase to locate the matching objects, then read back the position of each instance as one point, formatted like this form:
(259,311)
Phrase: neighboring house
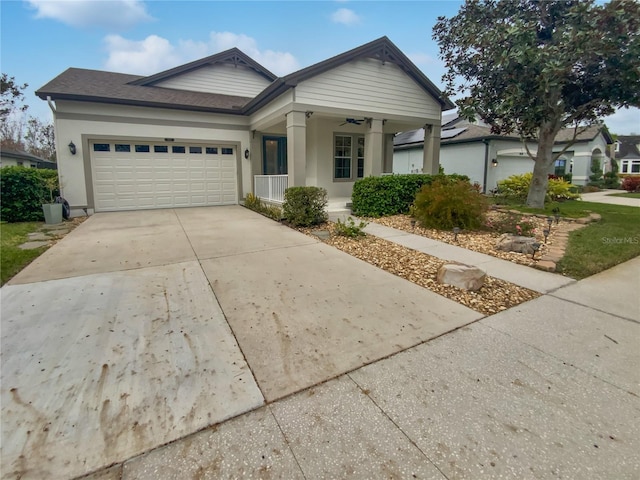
(212,131)
(17,158)
(471,149)
(627,154)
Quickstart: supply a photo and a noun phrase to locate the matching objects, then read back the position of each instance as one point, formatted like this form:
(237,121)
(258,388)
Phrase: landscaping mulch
(482,242)
(495,296)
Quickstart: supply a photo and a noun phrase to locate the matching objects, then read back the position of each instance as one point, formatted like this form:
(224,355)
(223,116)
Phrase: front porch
(331,150)
(270,189)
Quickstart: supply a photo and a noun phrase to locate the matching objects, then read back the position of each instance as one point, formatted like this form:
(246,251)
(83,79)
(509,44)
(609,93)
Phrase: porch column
(431,151)
(296,148)
(388,153)
(373,149)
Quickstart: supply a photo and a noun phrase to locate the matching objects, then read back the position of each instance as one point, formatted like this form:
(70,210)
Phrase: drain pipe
(486,164)
(51,105)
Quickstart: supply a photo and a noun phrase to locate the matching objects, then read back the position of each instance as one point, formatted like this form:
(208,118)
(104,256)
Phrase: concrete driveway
(607,196)
(139,328)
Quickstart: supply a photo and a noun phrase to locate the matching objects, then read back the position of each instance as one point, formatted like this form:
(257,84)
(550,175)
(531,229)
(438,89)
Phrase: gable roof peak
(233,56)
(381,49)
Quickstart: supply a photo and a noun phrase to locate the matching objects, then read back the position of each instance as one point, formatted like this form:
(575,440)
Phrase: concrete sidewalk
(521,275)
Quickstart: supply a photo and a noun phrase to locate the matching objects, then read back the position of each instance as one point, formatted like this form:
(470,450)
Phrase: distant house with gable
(470,148)
(627,154)
(17,158)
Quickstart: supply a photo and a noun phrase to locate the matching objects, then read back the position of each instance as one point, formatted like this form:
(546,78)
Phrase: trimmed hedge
(390,194)
(23,192)
(304,206)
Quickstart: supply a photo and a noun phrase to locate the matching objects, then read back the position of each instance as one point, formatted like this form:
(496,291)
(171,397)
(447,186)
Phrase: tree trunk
(544,159)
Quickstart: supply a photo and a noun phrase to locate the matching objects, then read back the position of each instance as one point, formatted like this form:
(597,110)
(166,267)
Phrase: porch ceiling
(391,125)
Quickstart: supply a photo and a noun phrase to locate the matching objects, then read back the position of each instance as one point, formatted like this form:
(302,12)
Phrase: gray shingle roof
(108,87)
(628,146)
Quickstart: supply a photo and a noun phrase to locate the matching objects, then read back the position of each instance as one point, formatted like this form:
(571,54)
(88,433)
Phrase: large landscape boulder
(515,243)
(462,276)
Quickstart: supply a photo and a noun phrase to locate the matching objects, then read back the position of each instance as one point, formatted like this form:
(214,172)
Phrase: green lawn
(600,245)
(12,259)
(624,195)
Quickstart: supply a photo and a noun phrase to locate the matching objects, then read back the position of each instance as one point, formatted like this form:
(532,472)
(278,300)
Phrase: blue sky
(42,38)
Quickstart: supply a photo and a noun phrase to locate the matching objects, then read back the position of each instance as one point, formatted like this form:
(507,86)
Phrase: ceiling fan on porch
(353,121)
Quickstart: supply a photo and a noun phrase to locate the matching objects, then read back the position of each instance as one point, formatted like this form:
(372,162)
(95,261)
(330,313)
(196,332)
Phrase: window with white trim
(630,166)
(348,157)
(342,156)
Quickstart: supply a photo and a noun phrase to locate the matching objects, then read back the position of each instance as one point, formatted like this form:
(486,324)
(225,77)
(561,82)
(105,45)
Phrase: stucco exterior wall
(465,159)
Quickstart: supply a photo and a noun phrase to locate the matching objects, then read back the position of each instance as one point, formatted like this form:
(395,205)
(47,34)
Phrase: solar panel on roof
(453,132)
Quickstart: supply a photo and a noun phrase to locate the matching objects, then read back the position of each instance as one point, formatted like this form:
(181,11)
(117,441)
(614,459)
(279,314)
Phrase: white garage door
(133,175)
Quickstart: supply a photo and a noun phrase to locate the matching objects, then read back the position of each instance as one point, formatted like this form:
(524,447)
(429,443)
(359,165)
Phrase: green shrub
(611,180)
(23,192)
(516,187)
(595,179)
(560,189)
(254,203)
(349,228)
(631,184)
(305,206)
(389,194)
(447,203)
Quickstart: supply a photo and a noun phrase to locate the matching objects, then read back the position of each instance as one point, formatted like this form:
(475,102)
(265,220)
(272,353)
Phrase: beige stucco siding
(80,122)
(368,85)
(224,79)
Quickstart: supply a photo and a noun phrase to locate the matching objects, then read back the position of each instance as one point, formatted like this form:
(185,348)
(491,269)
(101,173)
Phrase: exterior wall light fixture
(72,148)
(246,154)
(494,162)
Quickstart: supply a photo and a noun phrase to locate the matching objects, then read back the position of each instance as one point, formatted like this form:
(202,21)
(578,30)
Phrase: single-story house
(471,149)
(627,154)
(211,131)
(17,158)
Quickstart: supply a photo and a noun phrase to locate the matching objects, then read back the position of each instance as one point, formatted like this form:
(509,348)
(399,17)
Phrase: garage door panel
(203,175)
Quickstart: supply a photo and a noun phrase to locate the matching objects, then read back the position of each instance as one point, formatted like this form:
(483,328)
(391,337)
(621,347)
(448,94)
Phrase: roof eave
(138,103)
(218,57)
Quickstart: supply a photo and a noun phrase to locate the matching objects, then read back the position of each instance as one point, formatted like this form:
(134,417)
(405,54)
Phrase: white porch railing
(270,187)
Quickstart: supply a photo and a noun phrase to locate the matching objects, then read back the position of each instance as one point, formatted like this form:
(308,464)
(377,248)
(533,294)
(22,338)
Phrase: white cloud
(345,16)
(155,54)
(108,14)
(626,121)
(151,55)
(279,63)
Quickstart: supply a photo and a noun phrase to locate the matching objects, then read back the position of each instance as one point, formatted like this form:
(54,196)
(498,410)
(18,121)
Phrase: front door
(274,155)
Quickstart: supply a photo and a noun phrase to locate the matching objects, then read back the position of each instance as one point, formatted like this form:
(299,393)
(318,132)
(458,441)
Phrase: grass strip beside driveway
(12,258)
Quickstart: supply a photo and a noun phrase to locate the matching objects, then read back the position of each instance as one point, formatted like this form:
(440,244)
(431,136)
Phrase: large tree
(40,139)
(536,67)
(11,96)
